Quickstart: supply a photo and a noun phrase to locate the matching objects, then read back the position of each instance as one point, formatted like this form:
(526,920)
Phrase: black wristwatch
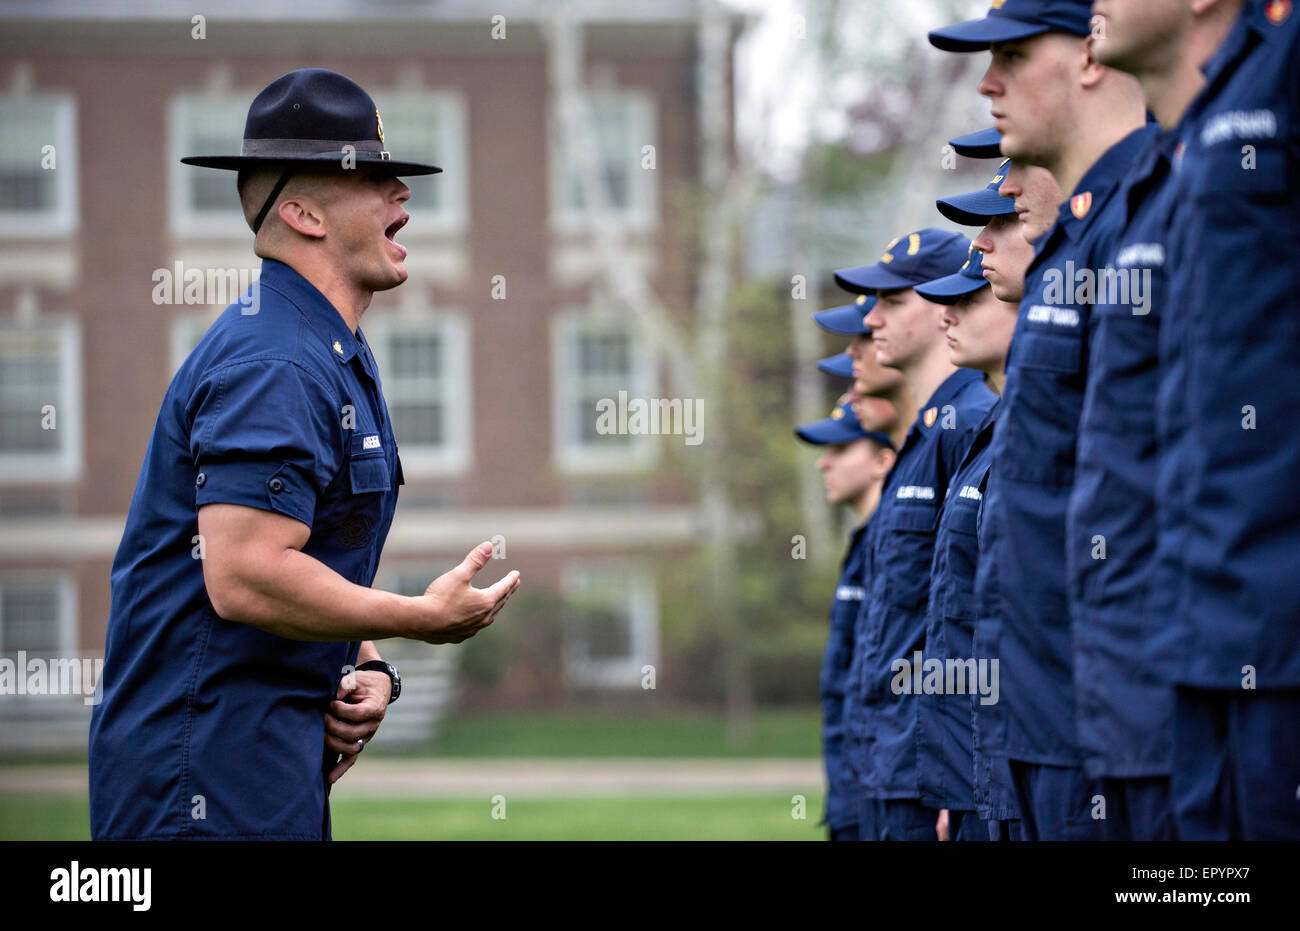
(379,665)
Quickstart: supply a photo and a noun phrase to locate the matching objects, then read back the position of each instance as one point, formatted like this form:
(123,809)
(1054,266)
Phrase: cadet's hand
(354,717)
(941,826)
(455,609)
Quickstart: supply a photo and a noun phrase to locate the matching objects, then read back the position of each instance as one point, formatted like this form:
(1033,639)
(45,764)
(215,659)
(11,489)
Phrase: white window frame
(450,154)
(640,604)
(570,455)
(455,455)
(183,221)
(63,465)
(642,214)
(65,584)
(187,328)
(64,218)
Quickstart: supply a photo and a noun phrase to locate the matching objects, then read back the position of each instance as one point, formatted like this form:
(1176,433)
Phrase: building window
(38,614)
(622,124)
(204,201)
(38,165)
(611,627)
(425,369)
(186,331)
(429,126)
(598,364)
(40,401)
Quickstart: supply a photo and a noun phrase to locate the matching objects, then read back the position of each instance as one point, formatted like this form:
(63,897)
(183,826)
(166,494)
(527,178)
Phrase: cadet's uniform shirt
(210,728)
(944,718)
(994,792)
(1033,462)
(892,623)
(1125,710)
(842,789)
(1228,511)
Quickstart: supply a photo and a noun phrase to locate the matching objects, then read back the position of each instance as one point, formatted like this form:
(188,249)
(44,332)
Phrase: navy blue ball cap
(952,288)
(908,261)
(978,207)
(1015,19)
(840,365)
(847,319)
(842,426)
(308,116)
(987,143)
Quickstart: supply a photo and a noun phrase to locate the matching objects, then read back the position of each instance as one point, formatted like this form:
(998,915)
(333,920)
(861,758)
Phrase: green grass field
(631,818)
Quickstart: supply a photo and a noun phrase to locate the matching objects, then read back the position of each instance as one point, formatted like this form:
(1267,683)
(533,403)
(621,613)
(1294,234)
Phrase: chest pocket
(1055,352)
(368,469)
(1260,170)
(907,548)
(960,556)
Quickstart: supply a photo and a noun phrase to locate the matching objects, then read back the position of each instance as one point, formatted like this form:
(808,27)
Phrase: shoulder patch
(1277,11)
(931,416)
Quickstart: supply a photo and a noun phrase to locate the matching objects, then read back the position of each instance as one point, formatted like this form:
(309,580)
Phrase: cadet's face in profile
(1036,196)
(362,217)
(869,376)
(1139,35)
(979,328)
(1006,256)
(847,470)
(1030,85)
(904,326)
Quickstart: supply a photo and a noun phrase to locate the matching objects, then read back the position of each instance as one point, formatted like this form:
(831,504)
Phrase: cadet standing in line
(1224,77)
(1059,109)
(1005,243)
(891,625)
(978,329)
(854,466)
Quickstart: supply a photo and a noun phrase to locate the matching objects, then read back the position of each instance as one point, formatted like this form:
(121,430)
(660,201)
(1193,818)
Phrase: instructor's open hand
(454,610)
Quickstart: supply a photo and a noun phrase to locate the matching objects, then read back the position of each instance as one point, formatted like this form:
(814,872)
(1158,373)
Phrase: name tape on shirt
(1057,316)
(971,492)
(370,442)
(1150,254)
(849,593)
(915,492)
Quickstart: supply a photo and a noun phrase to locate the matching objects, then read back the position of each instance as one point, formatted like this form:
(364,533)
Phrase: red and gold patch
(931,416)
(1080,204)
(1277,11)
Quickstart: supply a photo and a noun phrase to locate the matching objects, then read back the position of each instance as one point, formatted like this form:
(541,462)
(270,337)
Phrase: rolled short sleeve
(265,434)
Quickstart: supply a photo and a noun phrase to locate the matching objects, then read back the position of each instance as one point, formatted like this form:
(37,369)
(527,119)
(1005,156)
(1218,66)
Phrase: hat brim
(245,162)
(977,35)
(840,365)
(951,288)
(975,208)
(987,143)
(871,278)
(846,320)
(829,432)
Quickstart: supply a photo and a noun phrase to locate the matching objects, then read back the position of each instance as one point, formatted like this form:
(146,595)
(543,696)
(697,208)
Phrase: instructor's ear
(303,215)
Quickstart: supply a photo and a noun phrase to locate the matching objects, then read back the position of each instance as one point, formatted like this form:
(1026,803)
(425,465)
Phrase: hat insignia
(380,125)
(861,299)
(338,347)
(1277,11)
(837,414)
(931,416)
(1080,204)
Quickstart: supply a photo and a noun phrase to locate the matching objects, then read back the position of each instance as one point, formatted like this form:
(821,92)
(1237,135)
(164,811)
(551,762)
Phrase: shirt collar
(1251,28)
(323,316)
(1101,180)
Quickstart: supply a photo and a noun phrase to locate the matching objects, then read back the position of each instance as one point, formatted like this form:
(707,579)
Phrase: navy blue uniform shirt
(892,622)
(841,786)
(1228,408)
(1034,456)
(1125,710)
(944,719)
(210,728)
